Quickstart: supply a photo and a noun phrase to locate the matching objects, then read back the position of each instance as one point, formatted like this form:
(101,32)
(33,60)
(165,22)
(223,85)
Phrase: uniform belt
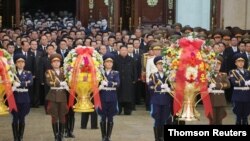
(218,91)
(161,92)
(242,88)
(109,88)
(57,88)
(21,90)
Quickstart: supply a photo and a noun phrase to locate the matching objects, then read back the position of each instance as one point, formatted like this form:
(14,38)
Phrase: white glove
(66,88)
(212,85)
(13,88)
(104,83)
(168,90)
(247,82)
(63,84)
(101,87)
(16,84)
(164,86)
(209,90)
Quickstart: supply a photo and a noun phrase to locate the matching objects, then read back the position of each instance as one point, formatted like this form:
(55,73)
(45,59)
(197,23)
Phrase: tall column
(137,16)
(18,15)
(77,9)
(83,11)
(116,14)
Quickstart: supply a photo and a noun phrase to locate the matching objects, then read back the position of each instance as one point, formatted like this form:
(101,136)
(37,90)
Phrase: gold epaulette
(53,82)
(223,73)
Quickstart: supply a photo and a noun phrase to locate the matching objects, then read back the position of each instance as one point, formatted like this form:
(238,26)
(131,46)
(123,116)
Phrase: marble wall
(235,13)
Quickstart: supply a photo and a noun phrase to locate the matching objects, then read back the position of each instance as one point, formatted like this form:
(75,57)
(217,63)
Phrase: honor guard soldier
(20,87)
(160,99)
(219,82)
(150,66)
(144,59)
(108,94)
(240,79)
(156,47)
(57,96)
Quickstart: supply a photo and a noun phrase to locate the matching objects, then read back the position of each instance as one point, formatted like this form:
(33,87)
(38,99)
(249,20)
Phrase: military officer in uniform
(160,99)
(219,82)
(20,87)
(108,94)
(151,68)
(240,79)
(57,96)
(144,59)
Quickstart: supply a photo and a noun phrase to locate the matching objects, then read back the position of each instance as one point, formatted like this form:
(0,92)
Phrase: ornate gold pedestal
(3,108)
(188,111)
(83,91)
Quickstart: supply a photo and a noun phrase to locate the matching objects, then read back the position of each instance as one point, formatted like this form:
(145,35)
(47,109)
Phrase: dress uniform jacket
(109,93)
(161,101)
(53,80)
(217,95)
(241,92)
(158,97)
(29,62)
(21,93)
(150,68)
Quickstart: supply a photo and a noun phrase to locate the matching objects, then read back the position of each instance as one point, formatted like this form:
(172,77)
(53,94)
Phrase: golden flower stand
(83,91)
(3,108)
(188,111)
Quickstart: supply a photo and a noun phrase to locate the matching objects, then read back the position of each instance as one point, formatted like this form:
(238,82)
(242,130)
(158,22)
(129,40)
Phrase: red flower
(1,53)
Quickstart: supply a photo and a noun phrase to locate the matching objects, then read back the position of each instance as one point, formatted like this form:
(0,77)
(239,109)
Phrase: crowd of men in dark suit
(41,36)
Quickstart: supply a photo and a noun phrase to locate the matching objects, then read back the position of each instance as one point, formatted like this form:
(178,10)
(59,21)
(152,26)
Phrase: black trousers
(35,101)
(127,107)
(139,89)
(147,98)
(43,96)
(85,119)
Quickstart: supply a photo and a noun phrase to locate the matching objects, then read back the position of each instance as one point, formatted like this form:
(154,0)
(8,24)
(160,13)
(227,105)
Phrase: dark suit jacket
(229,53)
(115,53)
(40,48)
(137,58)
(45,65)
(224,63)
(127,73)
(63,55)
(38,60)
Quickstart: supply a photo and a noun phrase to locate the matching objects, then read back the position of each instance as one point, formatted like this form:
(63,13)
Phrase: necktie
(25,54)
(248,58)
(63,52)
